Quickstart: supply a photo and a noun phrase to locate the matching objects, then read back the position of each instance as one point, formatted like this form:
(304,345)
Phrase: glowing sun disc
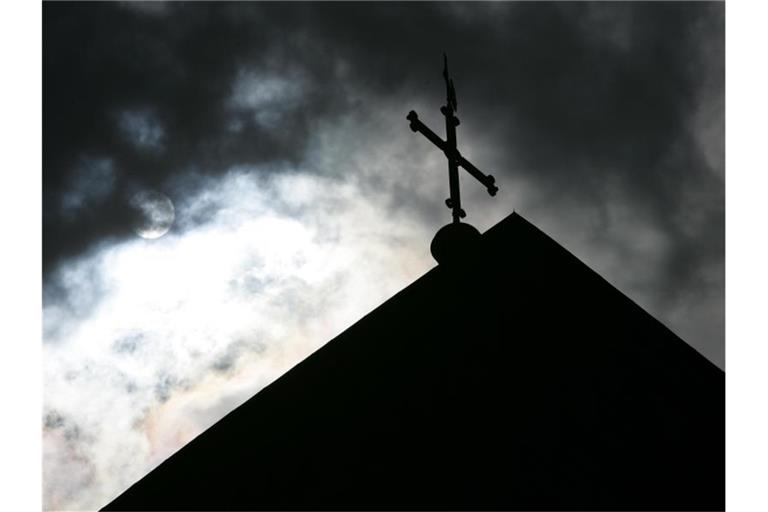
(154,214)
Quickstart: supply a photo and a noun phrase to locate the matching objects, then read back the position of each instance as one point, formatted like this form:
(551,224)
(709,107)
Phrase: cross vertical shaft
(454,202)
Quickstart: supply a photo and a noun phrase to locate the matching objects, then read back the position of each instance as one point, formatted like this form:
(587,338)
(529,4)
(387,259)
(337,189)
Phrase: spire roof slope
(518,380)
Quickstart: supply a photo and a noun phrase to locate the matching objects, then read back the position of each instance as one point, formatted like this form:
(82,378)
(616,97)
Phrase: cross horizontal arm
(487,180)
(418,126)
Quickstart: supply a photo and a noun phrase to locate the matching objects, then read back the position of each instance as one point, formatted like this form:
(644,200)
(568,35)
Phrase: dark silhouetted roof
(518,380)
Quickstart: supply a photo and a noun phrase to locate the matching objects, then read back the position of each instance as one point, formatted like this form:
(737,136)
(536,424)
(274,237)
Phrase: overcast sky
(302,199)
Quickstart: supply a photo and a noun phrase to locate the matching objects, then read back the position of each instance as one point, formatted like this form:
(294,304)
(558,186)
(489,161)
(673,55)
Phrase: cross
(455,160)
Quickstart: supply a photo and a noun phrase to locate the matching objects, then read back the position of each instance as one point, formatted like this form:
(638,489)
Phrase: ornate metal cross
(455,160)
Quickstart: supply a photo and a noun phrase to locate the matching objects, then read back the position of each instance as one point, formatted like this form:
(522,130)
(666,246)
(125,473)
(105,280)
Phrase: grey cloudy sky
(302,199)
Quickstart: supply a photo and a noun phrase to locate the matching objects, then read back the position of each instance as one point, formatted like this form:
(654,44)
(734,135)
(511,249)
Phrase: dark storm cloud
(592,103)
(106,66)
(581,95)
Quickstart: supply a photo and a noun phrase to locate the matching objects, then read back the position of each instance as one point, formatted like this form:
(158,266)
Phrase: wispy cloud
(142,129)
(172,333)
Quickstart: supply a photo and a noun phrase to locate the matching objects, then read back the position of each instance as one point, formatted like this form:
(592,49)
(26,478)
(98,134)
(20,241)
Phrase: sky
(301,199)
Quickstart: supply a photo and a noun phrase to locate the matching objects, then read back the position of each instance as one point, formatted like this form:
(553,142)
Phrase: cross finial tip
(445,66)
